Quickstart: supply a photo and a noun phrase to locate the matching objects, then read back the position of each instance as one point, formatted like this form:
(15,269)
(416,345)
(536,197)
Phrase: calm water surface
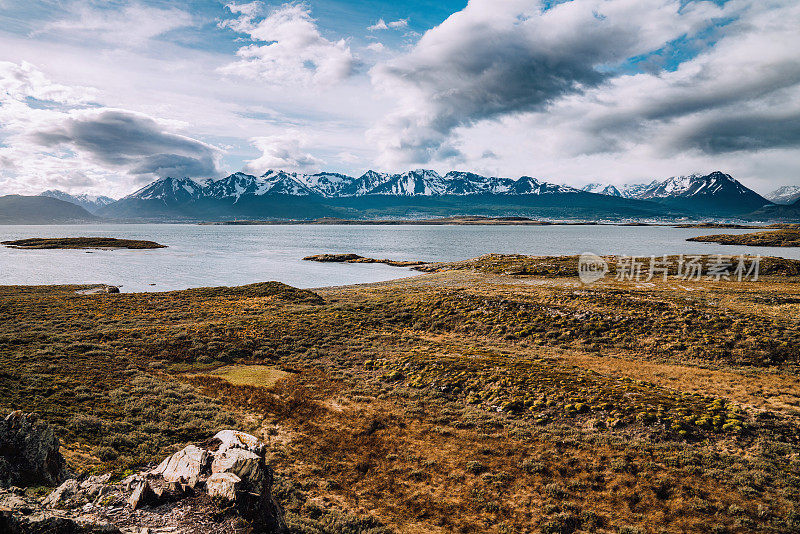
(200,256)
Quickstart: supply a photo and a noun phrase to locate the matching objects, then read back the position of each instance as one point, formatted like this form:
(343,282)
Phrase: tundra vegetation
(495,395)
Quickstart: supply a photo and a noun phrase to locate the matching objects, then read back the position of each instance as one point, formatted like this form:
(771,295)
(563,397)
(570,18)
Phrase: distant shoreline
(475,221)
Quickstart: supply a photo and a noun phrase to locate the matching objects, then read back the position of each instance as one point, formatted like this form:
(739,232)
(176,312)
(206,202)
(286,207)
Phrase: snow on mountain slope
(531,186)
(716,183)
(602,189)
(468,183)
(170,190)
(283,183)
(88,202)
(788,194)
(327,184)
(419,182)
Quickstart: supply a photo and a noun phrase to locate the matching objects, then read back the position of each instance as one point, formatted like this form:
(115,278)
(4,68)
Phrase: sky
(103,97)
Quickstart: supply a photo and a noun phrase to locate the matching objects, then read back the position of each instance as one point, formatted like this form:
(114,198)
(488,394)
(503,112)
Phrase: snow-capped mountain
(90,203)
(716,183)
(635,190)
(170,191)
(788,194)
(412,183)
(282,194)
(602,189)
(419,182)
(712,194)
(327,184)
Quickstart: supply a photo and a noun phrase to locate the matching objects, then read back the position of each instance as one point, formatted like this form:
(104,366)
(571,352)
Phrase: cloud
(133,142)
(69,144)
(493,59)
(741,94)
(375,47)
(132,25)
(24,80)
(380,25)
(284,152)
(383,25)
(295,52)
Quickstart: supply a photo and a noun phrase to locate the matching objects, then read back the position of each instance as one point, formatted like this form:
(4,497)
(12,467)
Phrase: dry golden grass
(457,401)
(249,375)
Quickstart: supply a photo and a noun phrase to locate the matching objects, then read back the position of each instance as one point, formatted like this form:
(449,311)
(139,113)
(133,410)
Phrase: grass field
(495,395)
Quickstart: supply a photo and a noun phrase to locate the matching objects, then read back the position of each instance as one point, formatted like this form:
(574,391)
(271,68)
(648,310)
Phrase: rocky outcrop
(29,452)
(100,290)
(222,485)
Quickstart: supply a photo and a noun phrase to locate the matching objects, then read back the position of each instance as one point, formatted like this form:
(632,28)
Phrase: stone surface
(185,466)
(233,439)
(225,486)
(29,452)
(246,465)
(102,290)
(159,501)
(143,495)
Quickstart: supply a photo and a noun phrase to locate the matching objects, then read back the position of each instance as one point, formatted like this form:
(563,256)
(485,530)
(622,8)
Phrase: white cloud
(496,59)
(380,25)
(71,146)
(133,25)
(23,80)
(283,151)
(375,47)
(296,53)
(383,25)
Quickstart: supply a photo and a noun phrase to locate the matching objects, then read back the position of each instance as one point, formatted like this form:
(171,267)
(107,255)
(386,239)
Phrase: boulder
(61,496)
(143,495)
(233,439)
(101,290)
(185,466)
(246,465)
(225,486)
(29,452)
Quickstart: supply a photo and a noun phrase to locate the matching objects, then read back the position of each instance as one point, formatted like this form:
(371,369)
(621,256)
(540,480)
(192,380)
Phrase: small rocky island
(774,238)
(105,243)
(355,258)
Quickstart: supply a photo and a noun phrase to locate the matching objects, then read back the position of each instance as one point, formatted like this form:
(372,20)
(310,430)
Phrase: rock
(61,496)
(225,486)
(185,466)
(45,523)
(101,290)
(227,468)
(233,439)
(29,452)
(143,495)
(246,465)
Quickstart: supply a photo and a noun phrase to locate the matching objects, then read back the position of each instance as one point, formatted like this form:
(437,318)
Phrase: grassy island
(82,242)
(771,238)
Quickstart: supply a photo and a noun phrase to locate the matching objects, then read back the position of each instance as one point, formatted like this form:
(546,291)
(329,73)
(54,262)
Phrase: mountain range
(279,195)
(90,203)
(288,195)
(788,194)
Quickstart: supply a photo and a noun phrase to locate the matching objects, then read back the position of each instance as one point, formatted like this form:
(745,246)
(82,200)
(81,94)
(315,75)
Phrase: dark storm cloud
(498,59)
(132,141)
(748,132)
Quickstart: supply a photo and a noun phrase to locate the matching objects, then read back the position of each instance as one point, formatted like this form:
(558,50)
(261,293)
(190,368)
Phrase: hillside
(18,209)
